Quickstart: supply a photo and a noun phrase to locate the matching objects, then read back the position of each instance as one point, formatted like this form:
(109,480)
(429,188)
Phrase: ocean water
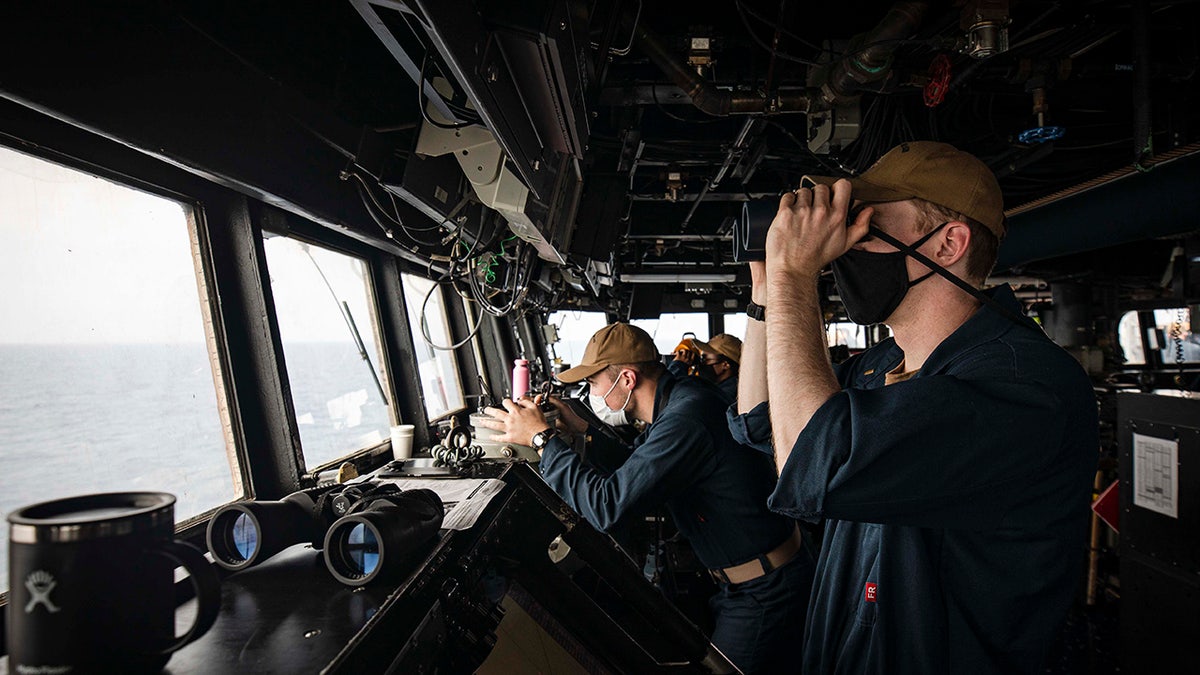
(79,419)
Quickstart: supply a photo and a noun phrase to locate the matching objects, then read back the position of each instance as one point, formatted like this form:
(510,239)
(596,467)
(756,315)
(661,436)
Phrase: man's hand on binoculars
(810,229)
(568,420)
(518,422)
(686,355)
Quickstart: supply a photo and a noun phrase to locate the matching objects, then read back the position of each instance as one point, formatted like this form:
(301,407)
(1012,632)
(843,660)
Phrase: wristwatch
(541,438)
(756,311)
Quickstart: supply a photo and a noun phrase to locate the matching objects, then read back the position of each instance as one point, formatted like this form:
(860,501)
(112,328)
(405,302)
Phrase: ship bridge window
(437,366)
(108,375)
(1130,339)
(846,333)
(330,334)
(1174,337)
(668,329)
(1170,339)
(735,325)
(574,330)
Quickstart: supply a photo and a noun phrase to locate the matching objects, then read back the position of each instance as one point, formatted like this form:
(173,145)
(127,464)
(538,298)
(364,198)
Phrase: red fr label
(869,594)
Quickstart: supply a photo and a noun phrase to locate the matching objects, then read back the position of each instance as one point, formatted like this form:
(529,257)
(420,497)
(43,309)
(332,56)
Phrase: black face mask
(707,371)
(872,285)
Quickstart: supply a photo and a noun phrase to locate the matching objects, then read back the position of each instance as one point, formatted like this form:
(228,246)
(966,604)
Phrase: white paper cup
(402,441)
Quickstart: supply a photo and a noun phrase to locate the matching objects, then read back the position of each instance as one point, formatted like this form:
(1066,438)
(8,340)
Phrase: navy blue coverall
(956,502)
(716,492)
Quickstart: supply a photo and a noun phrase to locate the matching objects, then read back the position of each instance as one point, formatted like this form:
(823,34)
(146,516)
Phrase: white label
(1155,479)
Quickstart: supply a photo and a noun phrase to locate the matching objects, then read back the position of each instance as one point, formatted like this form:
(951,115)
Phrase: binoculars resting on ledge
(367,530)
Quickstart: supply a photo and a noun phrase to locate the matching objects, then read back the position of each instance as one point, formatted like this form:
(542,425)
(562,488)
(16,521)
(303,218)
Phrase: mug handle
(204,580)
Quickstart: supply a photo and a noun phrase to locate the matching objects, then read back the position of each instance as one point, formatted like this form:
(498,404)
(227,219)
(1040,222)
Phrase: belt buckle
(719,576)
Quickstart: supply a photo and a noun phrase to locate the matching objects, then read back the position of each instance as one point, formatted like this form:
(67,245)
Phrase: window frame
(283,224)
(192,198)
(124,167)
(1144,312)
(229,226)
(464,357)
(228,215)
(471,358)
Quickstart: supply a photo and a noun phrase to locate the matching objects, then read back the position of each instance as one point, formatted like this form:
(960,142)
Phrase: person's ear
(953,244)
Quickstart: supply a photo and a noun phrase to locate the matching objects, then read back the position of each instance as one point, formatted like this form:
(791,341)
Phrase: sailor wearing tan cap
(718,362)
(686,460)
(953,462)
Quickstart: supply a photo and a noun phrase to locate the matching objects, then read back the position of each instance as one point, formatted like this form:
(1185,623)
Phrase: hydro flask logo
(40,583)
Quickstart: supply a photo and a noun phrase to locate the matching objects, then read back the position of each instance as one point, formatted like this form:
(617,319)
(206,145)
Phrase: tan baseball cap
(724,344)
(614,344)
(935,172)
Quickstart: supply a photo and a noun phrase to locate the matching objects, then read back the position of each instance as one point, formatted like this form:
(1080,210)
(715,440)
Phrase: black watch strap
(756,311)
(541,438)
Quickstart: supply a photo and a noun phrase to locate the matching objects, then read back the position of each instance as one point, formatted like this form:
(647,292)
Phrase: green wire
(490,275)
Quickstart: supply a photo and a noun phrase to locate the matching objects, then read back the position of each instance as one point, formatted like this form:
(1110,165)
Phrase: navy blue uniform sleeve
(605,453)
(751,429)
(935,451)
(666,463)
(678,368)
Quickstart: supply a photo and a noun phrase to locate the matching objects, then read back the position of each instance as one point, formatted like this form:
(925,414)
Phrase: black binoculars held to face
(750,233)
(367,529)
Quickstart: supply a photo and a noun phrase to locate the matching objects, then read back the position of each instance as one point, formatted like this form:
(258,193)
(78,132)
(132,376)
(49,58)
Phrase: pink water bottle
(520,378)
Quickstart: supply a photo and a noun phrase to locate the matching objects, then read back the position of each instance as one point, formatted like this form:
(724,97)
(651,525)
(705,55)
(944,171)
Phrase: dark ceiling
(650,122)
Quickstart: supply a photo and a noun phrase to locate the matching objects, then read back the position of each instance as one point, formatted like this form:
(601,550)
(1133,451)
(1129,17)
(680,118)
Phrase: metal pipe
(774,48)
(872,59)
(1143,139)
(1094,547)
(1132,206)
(735,152)
(613,25)
(695,204)
(714,197)
(680,237)
(704,95)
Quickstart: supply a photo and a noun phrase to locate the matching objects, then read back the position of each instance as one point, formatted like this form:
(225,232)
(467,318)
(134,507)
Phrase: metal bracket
(833,129)
(483,162)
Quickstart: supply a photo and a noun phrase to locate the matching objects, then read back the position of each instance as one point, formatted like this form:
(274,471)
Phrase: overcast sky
(84,260)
